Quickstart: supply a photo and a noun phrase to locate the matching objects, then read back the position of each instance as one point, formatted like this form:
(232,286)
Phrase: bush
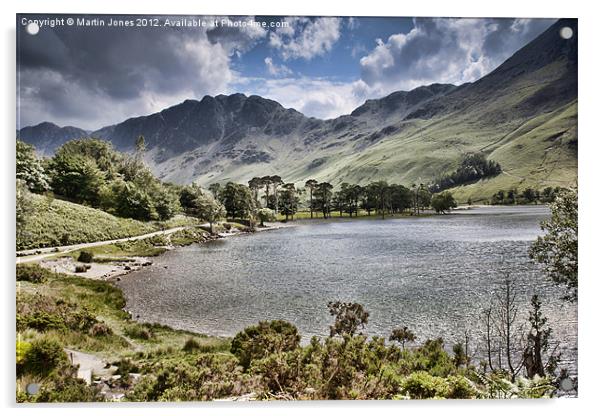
(261,340)
(85,257)
(422,385)
(44,356)
(139,332)
(33,273)
(22,350)
(100,329)
(64,387)
(191,345)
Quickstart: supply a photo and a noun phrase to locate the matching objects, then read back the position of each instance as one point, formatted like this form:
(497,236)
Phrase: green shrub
(44,356)
(261,340)
(460,388)
(191,345)
(140,332)
(33,273)
(62,386)
(22,350)
(422,385)
(85,257)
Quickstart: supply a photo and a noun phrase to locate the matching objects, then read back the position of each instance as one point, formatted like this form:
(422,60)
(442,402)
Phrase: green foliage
(76,177)
(142,332)
(29,168)
(33,273)
(237,200)
(210,376)
(349,318)
(443,202)
(557,249)
(131,201)
(44,313)
(201,205)
(22,350)
(265,215)
(259,341)
(288,200)
(64,223)
(85,257)
(402,335)
(474,166)
(62,386)
(44,356)
(422,385)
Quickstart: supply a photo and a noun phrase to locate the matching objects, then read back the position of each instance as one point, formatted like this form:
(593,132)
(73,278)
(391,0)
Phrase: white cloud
(444,51)
(321,98)
(306,38)
(275,69)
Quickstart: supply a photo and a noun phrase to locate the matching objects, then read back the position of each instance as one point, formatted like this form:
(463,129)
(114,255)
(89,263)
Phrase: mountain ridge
(406,136)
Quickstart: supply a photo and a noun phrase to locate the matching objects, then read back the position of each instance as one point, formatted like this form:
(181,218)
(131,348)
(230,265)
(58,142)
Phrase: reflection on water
(434,275)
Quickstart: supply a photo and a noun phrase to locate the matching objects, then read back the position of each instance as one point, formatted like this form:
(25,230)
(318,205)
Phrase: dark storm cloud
(73,73)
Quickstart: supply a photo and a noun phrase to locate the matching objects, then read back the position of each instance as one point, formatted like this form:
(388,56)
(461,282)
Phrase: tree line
(474,166)
(527,196)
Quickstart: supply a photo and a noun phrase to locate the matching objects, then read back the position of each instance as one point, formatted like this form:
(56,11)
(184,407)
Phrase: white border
(589,171)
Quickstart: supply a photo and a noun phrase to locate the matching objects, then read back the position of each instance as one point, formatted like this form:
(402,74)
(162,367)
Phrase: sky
(91,76)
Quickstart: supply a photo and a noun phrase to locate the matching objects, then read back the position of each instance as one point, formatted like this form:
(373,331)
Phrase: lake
(433,274)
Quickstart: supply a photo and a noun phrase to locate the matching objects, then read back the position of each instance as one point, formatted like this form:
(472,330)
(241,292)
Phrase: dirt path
(89,365)
(26,256)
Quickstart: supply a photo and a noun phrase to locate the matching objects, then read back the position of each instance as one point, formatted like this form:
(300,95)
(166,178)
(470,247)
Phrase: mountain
(522,115)
(47,137)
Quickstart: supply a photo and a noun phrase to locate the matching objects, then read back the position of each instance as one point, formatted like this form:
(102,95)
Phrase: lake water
(433,274)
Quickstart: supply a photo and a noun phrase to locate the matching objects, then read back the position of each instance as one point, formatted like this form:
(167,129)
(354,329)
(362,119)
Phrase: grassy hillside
(54,222)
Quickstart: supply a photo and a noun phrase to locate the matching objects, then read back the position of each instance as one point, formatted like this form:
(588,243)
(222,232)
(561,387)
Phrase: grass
(105,302)
(54,222)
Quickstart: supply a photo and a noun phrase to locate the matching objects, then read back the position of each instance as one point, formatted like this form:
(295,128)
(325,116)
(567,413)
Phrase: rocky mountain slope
(523,115)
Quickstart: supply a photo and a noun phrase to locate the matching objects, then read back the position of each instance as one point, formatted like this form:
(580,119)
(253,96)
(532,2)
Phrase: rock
(127,268)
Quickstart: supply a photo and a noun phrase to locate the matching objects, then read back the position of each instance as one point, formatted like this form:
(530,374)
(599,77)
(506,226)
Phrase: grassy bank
(54,222)
(87,315)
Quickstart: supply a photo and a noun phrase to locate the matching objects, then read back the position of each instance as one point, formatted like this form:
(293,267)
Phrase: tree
(443,202)
(254,185)
(238,201)
(508,329)
(557,249)
(267,182)
(166,202)
(289,200)
(349,318)
(30,170)
(311,184)
(207,208)
(264,215)
(76,177)
(133,202)
(400,198)
(423,197)
(323,198)
(380,189)
(402,335)
(538,344)
(276,182)
(215,189)
(23,210)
